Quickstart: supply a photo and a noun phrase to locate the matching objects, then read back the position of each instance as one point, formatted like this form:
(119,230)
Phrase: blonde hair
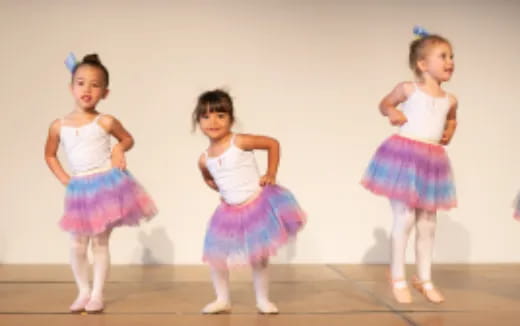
(420,47)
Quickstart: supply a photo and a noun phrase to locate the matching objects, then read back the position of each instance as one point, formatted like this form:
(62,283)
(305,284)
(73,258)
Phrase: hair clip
(420,32)
(71,62)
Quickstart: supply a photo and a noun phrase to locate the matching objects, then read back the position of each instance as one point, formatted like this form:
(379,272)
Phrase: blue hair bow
(420,32)
(71,62)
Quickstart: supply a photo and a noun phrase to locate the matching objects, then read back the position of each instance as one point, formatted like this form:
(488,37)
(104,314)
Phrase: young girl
(411,168)
(101,193)
(256,216)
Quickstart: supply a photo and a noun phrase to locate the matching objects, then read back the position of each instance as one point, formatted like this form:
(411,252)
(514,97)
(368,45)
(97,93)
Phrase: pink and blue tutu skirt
(98,202)
(249,233)
(412,171)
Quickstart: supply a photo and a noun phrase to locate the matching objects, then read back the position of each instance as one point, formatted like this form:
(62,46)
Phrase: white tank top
(87,147)
(235,172)
(426,116)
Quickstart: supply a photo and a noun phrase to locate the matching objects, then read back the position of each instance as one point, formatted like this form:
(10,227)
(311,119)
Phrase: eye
(204,116)
(221,115)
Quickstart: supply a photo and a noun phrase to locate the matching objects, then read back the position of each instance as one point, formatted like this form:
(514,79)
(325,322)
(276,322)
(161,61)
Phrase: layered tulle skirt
(97,202)
(412,171)
(251,232)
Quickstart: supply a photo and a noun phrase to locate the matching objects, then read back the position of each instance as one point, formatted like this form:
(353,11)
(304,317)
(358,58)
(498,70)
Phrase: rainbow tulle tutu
(412,171)
(97,202)
(251,232)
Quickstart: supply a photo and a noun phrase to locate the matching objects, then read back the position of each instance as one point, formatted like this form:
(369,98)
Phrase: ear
(421,64)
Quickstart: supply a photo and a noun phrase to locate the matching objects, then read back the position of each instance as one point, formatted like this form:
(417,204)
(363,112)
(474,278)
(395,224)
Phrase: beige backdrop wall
(309,73)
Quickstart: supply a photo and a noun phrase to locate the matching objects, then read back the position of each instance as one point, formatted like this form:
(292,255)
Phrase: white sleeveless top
(426,116)
(87,147)
(235,172)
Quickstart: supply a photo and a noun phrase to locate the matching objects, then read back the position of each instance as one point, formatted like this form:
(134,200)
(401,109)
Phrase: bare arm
(252,142)
(451,122)
(208,179)
(389,103)
(126,141)
(51,149)
(116,129)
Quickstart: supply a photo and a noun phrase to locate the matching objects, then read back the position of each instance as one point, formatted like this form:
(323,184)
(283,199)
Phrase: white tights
(220,278)
(405,218)
(80,265)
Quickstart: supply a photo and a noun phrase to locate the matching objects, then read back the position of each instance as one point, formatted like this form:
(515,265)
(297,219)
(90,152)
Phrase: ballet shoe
(266,308)
(95,306)
(427,289)
(401,291)
(217,307)
(79,304)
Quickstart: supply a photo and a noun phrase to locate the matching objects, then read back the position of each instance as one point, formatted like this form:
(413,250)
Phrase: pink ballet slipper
(94,306)
(79,304)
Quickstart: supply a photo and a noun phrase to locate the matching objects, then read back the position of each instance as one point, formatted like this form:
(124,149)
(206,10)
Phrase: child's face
(215,125)
(88,87)
(438,63)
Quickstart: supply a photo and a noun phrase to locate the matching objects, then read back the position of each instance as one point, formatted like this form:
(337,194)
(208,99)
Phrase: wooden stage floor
(305,294)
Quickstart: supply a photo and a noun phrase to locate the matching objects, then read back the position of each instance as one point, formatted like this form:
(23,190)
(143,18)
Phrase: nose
(212,118)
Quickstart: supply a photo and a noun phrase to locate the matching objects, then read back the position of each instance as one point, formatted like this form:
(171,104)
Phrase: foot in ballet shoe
(267,308)
(427,289)
(79,304)
(401,291)
(217,307)
(95,306)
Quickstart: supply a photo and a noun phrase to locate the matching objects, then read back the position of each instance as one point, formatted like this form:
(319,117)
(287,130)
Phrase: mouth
(86,98)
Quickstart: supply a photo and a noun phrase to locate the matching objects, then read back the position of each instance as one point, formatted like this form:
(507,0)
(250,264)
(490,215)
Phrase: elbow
(49,158)
(382,109)
(130,142)
(275,145)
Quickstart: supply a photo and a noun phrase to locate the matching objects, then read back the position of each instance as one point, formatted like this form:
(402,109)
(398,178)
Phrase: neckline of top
(82,126)
(417,88)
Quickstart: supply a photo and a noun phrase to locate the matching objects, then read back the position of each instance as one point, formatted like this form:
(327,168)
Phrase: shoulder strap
(98,116)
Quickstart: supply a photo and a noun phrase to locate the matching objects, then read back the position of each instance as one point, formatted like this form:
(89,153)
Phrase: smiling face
(214,114)
(88,87)
(437,63)
(215,125)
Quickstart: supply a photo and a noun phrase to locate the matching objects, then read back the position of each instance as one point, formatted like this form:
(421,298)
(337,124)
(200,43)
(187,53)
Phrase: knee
(401,230)
(79,247)
(99,244)
(261,264)
(426,228)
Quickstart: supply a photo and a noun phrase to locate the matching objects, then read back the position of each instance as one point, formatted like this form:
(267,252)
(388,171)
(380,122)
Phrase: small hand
(267,180)
(396,117)
(445,140)
(447,135)
(118,158)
